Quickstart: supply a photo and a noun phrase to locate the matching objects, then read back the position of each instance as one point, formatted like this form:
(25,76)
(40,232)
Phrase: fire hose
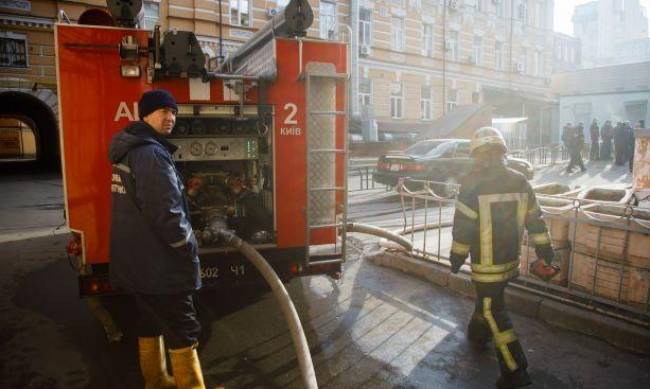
(381,232)
(286,305)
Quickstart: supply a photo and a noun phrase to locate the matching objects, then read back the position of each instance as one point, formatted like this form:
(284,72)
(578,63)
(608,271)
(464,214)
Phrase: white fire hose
(286,305)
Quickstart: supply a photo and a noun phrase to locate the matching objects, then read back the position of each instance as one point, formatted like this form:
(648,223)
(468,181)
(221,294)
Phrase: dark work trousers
(491,313)
(606,150)
(576,160)
(172,316)
(594,154)
(621,153)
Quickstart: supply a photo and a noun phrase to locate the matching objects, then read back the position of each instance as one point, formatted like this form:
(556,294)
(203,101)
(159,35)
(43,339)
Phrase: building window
(13,50)
(539,15)
(240,13)
(151,14)
(452,99)
(476,97)
(427,39)
(327,17)
(498,55)
(538,58)
(365,91)
(398,34)
(501,8)
(522,66)
(477,51)
(365,27)
(396,101)
(452,45)
(522,10)
(426,103)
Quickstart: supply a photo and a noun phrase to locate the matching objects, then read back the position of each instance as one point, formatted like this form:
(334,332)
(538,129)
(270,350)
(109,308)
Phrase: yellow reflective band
(485,211)
(465,210)
(503,348)
(540,238)
(496,277)
(505,337)
(533,211)
(459,248)
(480,268)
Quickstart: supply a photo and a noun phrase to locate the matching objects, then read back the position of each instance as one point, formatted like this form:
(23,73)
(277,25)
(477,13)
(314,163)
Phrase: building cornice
(26,21)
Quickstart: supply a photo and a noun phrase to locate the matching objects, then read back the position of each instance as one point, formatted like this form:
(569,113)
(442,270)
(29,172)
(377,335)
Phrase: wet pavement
(374,328)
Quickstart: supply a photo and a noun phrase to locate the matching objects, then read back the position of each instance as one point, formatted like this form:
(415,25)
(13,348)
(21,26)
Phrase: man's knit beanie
(155,99)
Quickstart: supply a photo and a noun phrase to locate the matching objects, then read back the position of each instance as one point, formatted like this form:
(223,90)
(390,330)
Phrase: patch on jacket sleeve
(116,184)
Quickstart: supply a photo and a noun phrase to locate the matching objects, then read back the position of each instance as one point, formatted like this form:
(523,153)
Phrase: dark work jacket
(594,133)
(494,206)
(152,247)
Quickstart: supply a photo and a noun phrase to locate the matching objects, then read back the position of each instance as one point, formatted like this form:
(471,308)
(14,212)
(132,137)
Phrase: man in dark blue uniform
(153,249)
(494,206)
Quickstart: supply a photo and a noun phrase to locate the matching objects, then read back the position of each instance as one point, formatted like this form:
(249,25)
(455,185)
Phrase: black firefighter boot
(517,379)
(478,331)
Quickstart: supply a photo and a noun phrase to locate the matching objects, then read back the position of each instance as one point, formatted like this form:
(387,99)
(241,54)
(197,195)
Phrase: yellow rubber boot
(186,367)
(153,364)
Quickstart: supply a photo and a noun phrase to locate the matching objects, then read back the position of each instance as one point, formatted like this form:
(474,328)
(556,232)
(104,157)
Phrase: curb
(617,332)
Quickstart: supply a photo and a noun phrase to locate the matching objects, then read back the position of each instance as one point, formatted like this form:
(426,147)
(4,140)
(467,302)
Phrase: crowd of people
(604,141)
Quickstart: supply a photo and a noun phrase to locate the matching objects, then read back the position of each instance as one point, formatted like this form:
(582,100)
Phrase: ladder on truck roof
(321,83)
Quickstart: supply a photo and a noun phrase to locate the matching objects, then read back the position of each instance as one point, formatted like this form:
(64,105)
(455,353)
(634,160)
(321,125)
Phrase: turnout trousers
(172,316)
(492,321)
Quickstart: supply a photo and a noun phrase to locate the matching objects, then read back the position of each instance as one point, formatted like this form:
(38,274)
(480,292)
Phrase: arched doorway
(29,116)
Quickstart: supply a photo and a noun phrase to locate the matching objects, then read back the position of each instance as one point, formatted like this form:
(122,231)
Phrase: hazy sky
(564,12)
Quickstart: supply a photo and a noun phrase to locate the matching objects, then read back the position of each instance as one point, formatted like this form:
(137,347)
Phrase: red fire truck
(262,141)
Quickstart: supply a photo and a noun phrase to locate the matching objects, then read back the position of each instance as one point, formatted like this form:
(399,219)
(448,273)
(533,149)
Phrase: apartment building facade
(420,59)
(611,32)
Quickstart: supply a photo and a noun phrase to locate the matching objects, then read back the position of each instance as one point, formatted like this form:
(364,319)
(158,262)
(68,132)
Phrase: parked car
(441,160)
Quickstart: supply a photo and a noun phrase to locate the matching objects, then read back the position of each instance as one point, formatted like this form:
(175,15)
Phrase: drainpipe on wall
(354,57)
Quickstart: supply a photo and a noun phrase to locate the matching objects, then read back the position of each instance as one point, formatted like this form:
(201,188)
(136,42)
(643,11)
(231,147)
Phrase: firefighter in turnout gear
(494,206)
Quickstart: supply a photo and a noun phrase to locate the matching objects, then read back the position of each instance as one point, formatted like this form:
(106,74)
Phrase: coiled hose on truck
(286,305)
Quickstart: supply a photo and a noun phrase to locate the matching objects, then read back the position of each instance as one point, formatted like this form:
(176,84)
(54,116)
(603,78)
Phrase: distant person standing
(607,134)
(594,131)
(631,144)
(575,142)
(620,143)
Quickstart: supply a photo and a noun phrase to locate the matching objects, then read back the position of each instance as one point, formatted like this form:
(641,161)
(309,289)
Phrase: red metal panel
(290,174)
(95,102)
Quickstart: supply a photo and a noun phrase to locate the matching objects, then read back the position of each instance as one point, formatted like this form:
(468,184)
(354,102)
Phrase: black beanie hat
(155,99)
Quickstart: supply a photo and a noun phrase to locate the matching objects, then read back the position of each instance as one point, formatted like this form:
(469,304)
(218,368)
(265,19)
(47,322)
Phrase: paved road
(374,328)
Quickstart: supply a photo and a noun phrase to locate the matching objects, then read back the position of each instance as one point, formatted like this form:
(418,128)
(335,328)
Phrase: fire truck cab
(262,141)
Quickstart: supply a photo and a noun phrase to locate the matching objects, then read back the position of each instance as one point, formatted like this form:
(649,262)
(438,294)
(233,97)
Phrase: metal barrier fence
(542,156)
(365,174)
(604,256)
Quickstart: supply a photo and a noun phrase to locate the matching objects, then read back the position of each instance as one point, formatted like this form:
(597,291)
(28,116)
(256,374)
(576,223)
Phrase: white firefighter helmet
(487,136)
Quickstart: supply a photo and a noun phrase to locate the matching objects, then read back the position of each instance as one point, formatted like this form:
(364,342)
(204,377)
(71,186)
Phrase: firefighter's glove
(544,271)
(545,252)
(456,262)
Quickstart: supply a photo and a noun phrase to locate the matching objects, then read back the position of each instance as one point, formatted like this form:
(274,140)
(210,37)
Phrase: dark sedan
(442,160)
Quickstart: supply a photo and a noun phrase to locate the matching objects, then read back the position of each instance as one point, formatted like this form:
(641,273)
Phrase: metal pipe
(293,20)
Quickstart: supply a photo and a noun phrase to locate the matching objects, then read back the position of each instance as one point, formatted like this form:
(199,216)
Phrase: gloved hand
(546,252)
(544,271)
(455,268)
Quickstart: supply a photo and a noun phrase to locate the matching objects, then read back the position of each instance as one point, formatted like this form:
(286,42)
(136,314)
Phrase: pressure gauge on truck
(196,149)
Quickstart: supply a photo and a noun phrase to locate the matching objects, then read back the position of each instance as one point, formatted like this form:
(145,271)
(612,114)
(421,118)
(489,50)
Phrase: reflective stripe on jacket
(494,206)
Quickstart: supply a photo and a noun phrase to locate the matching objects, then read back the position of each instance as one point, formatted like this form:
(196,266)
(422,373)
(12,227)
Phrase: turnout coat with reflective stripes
(152,249)
(494,205)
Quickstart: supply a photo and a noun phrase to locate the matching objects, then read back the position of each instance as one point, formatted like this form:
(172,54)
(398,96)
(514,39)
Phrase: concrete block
(617,332)
(523,303)
(462,283)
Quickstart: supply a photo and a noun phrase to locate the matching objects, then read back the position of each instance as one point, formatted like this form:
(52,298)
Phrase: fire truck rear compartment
(226,166)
